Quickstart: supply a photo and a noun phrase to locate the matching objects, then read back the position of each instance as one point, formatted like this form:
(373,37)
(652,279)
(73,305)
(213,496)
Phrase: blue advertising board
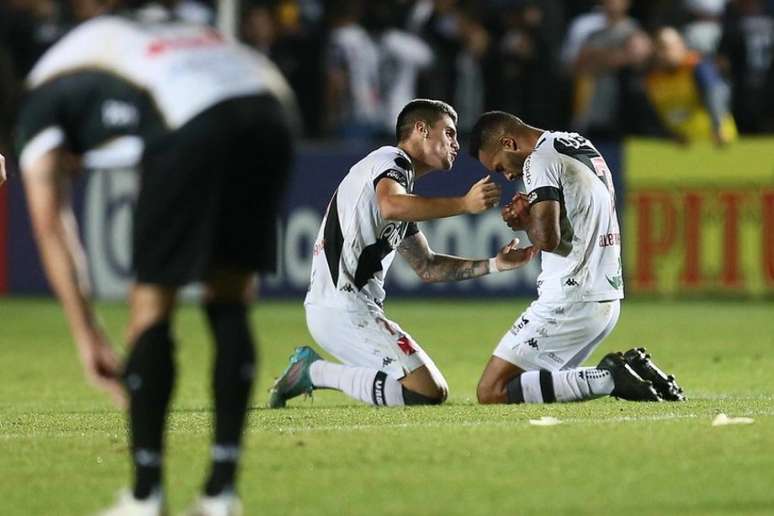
(104,201)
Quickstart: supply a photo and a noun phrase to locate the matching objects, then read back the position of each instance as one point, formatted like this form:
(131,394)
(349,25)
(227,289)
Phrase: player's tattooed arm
(432,267)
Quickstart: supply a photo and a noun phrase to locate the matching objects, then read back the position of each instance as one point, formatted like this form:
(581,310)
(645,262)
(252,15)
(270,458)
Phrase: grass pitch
(63,447)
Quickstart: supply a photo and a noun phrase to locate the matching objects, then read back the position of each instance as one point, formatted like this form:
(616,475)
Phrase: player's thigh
(366,338)
(553,335)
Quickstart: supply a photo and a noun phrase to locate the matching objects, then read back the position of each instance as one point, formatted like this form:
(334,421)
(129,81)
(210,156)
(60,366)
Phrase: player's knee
(489,392)
(150,363)
(227,286)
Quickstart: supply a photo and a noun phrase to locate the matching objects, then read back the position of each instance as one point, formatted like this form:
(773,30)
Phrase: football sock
(361,383)
(571,385)
(582,384)
(149,376)
(233,376)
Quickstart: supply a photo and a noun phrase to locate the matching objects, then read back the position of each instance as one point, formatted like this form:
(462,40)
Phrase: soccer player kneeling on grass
(372,213)
(569,214)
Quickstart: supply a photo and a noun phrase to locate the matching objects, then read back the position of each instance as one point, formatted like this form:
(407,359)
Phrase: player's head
(498,142)
(670,47)
(429,128)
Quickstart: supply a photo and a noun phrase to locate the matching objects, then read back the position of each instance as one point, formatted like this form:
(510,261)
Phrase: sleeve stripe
(395,175)
(46,140)
(544,193)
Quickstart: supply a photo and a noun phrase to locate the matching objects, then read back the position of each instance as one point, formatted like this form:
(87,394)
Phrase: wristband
(493,265)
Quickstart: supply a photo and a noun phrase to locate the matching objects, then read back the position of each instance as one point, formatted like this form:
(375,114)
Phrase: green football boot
(295,381)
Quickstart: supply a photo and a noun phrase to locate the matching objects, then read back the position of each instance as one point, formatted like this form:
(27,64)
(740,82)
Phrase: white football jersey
(149,72)
(586,266)
(356,245)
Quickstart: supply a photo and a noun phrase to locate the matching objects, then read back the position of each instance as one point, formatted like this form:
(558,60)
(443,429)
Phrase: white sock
(361,383)
(584,383)
(572,385)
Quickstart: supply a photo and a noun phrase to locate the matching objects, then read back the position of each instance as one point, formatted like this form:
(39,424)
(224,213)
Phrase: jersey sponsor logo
(394,174)
(609,239)
(119,113)
(161,46)
(404,343)
(392,233)
(526,168)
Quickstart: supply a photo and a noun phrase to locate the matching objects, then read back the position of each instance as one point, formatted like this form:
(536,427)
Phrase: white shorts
(366,338)
(557,336)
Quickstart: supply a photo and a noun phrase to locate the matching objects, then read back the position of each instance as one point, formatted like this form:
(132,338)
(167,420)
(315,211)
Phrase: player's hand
(101,365)
(3,175)
(516,212)
(511,257)
(483,195)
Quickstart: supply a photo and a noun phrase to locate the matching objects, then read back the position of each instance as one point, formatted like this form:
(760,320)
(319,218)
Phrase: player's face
(441,145)
(504,158)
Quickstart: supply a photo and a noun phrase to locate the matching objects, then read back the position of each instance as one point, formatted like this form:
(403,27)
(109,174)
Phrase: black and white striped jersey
(356,245)
(116,82)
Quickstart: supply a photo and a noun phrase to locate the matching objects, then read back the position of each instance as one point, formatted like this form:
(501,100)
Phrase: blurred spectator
(745,53)
(581,27)
(468,79)
(702,32)
(353,105)
(437,23)
(526,60)
(402,55)
(606,55)
(687,93)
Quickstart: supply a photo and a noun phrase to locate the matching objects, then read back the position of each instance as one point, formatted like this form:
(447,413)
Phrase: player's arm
(3,174)
(543,227)
(56,234)
(396,204)
(434,267)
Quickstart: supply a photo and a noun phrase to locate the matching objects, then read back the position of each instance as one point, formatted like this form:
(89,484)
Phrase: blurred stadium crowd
(684,69)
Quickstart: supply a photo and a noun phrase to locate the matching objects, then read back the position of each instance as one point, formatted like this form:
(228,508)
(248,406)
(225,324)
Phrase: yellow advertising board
(699,219)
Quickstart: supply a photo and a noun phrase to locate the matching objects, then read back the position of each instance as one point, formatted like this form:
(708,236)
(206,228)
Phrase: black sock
(234,372)
(149,377)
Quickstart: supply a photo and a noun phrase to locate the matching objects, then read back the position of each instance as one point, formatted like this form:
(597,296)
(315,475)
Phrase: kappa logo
(404,343)
(571,282)
(387,361)
(347,288)
(532,343)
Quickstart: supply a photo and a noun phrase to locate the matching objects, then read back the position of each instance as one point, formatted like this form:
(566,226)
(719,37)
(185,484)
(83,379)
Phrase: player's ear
(508,143)
(422,128)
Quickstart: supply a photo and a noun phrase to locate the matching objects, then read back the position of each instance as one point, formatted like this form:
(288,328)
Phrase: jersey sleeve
(542,179)
(40,126)
(399,170)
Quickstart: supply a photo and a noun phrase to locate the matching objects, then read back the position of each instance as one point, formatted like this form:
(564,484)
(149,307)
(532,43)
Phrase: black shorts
(210,193)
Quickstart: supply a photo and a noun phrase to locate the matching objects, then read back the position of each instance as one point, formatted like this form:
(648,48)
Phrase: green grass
(63,448)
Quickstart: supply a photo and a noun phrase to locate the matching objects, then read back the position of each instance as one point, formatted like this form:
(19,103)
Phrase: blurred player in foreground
(569,214)
(217,150)
(372,213)
(3,174)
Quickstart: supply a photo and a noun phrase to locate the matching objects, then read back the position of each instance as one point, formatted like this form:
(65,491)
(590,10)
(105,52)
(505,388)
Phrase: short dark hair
(488,127)
(425,110)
